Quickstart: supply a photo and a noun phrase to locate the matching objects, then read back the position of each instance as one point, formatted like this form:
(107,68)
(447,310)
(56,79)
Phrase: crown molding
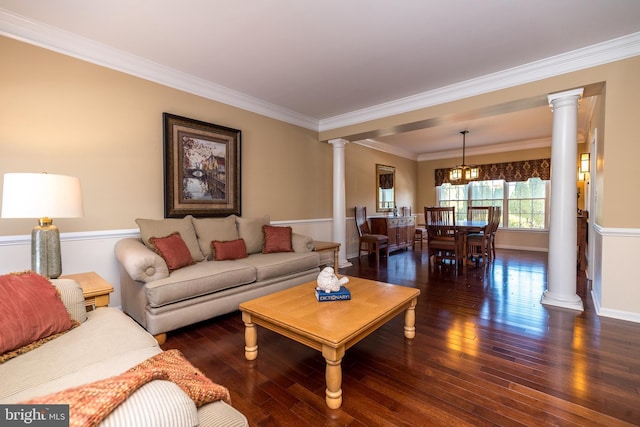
(57,40)
(598,54)
(504,147)
(386,148)
(52,38)
(449,154)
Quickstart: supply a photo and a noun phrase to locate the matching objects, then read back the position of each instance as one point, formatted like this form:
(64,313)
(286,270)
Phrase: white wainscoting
(81,252)
(615,291)
(94,250)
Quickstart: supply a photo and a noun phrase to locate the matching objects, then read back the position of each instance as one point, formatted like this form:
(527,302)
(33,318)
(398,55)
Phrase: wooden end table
(320,246)
(329,327)
(96,290)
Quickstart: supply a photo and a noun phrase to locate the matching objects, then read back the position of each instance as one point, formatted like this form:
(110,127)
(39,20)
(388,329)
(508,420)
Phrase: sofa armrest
(140,262)
(301,243)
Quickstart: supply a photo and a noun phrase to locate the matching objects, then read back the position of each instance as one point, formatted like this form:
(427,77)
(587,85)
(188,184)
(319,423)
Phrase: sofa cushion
(30,310)
(173,250)
(163,227)
(210,229)
(107,344)
(276,239)
(234,249)
(86,409)
(199,279)
(158,403)
(275,265)
(250,229)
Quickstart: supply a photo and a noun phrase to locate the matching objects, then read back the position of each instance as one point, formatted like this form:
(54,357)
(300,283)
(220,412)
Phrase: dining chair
(443,240)
(369,243)
(479,243)
(478,213)
(419,232)
(495,223)
(419,235)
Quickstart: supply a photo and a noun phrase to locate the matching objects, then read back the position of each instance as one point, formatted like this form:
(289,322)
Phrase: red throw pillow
(173,250)
(30,310)
(229,250)
(276,239)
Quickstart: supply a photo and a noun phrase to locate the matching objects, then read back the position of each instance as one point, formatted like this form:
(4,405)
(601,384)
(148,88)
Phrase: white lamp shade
(41,195)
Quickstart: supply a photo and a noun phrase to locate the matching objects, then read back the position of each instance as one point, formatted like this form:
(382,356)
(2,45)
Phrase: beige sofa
(162,300)
(107,343)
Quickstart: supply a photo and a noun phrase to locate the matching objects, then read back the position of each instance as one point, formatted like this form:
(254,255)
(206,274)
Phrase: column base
(344,263)
(573,303)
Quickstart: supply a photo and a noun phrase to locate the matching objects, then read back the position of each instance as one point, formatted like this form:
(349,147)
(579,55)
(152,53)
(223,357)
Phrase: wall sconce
(585,159)
(583,169)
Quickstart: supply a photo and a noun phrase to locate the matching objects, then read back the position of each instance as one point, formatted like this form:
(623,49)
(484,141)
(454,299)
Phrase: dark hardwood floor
(486,352)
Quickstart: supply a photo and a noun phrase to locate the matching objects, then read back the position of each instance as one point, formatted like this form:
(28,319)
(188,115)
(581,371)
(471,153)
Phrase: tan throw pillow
(210,229)
(250,229)
(234,249)
(173,250)
(163,227)
(72,298)
(276,239)
(31,313)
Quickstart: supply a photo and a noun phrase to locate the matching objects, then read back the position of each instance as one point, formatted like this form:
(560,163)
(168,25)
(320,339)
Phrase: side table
(96,290)
(320,246)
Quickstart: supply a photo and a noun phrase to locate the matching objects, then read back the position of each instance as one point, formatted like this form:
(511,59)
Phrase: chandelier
(463,171)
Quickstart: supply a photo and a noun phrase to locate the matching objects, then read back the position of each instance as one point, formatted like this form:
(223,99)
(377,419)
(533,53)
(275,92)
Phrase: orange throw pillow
(30,310)
(229,250)
(276,239)
(173,250)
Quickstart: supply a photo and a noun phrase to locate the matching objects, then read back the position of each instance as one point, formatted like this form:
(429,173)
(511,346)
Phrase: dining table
(466,226)
(471,226)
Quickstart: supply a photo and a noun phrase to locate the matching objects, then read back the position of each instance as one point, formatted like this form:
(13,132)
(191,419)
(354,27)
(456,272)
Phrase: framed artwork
(201,168)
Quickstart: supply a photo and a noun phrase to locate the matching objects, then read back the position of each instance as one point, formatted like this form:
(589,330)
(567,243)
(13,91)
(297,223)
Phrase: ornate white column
(339,200)
(561,279)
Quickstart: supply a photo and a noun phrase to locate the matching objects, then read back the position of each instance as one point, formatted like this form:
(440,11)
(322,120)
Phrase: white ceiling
(334,62)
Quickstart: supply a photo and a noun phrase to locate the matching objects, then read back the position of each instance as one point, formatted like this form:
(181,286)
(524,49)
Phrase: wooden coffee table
(329,327)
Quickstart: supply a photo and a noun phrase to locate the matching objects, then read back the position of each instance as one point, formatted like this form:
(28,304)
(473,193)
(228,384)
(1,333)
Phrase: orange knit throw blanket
(91,403)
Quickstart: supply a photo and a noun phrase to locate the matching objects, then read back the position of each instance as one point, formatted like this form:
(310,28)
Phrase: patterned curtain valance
(508,171)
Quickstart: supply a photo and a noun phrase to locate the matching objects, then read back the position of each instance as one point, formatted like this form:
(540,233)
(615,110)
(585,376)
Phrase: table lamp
(42,196)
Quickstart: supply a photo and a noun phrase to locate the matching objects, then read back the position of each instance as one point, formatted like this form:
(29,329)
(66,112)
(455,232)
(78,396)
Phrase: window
(524,204)
(487,193)
(526,207)
(456,196)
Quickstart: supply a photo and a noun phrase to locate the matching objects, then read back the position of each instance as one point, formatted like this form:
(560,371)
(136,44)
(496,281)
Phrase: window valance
(508,171)
(386,181)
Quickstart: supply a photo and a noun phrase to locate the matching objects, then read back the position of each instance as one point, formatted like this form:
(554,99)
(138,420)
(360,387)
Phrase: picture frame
(201,168)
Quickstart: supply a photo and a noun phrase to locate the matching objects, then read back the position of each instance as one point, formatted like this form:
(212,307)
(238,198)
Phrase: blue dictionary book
(342,295)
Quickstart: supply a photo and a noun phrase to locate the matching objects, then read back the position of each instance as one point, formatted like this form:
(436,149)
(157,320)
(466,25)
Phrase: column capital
(568,95)
(338,142)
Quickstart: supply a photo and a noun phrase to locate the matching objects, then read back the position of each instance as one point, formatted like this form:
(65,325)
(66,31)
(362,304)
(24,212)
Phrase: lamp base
(45,251)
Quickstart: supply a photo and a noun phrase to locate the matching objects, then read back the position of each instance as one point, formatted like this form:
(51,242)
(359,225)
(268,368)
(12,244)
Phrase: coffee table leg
(333,375)
(410,320)
(250,338)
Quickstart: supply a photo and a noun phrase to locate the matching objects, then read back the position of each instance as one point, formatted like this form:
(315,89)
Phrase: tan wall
(66,116)
(360,177)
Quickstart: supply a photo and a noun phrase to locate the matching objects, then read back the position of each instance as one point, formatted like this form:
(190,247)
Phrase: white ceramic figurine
(329,282)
